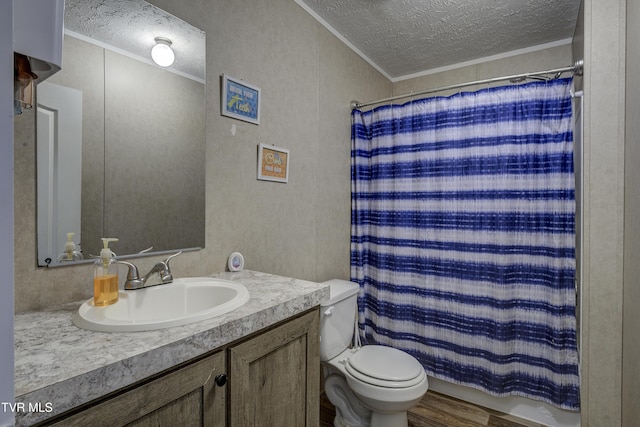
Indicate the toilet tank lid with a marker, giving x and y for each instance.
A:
(339, 290)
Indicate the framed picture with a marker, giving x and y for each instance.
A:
(240, 100)
(273, 163)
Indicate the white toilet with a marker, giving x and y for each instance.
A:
(372, 385)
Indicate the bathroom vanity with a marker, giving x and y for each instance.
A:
(258, 365)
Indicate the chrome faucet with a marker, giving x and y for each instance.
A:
(159, 274)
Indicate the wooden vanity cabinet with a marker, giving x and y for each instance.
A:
(272, 379)
(186, 397)
(275, 376)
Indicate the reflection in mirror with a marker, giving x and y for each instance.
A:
(120, 139)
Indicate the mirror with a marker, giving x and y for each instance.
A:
(121, 140)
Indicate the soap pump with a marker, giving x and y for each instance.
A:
(105, 276)
(70, 252)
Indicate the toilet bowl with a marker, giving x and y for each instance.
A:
(371, 385)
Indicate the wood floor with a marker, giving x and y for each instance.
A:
(437, 410)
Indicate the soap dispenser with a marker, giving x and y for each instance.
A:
(70, 252)
(105, 276)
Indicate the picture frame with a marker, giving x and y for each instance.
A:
(240, 100)
(273, 163)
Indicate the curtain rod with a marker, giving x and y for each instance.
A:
(576, 69)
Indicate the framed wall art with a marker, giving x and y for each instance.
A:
(273, 163)
(240, 100)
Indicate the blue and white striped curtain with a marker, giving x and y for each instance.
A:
(463, 237)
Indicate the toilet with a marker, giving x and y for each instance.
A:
(372, 385)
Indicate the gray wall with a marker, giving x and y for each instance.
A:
(539, 60)
(601, 34)
(631, 314)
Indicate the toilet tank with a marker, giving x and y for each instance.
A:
(337, 318)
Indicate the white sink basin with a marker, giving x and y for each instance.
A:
(184, 301)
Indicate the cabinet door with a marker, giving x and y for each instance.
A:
(274, 377)
(186, 397)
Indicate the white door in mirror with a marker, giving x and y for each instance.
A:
(236, 262)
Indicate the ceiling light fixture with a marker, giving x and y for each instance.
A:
(161, 53)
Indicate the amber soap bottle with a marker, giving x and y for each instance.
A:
(105, 276)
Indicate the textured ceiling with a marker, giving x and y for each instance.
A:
(132, 25)
(401, 38)
(406, 37)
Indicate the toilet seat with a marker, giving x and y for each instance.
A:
(385, 367)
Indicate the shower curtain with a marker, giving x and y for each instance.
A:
(463, 238)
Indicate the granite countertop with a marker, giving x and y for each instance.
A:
(59, 366)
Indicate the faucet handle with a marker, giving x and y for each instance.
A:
(133, 277)
(168, 276)
(170, 257)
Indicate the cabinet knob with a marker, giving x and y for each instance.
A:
(221, 380)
